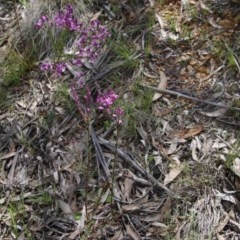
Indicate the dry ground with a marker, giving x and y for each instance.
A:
(173, 166)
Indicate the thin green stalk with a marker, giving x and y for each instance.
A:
(114, 167)
(87, 171)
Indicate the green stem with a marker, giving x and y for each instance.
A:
(114, 167)
(87, 172)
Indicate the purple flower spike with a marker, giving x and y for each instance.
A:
(69, 10)
(41, 21)
(60, 68)
(65, 19)
(106, 100)
(46, 67)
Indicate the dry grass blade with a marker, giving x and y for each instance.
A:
(100, 156)
(135, 164)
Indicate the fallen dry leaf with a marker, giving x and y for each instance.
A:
(193, 147)
(134, 235)
(236, 166)
(220, 237)
(175, 169)
(221, 225)
(162, 85)
(193, 131)
(217, 113)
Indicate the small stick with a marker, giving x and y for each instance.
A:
(189, 97)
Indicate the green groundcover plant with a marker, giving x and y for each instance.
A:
(89, 43)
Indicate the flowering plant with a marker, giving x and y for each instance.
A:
(90, 39)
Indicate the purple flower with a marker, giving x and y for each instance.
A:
(69, 10)
(59, 20)
(118, 113)
(41, 21)
(106, 100)
(46, 66)
(65, 19)
(95, 23)
(77, 62)
(60, 68)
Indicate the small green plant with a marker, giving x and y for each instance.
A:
(233, 154)
(42, 199)
(19, 218)
(225, 52)
(15, 67)
(125, 51)
(143, 98)
(4, 102)
(63, 97)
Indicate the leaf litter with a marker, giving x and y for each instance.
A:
(177, 178)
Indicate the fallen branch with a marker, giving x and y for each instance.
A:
(189, 97)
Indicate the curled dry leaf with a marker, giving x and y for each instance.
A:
(175, 169)
(193, 147)
(65, 207)
(131, 232)
(220, 237)
(236, 166)
(221, 225)
(217, 113)
(162, 85)
(187, 132)
(173, 146)
(193, 131)
(80, 225)
(160, 20)
(225, 197)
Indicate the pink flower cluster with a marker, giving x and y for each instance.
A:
(89, 44)
(106, 101)
(59, 67)
(66, 19)
(41, 21)
(90, 41)
(83, 101)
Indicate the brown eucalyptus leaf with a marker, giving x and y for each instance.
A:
(193, 131)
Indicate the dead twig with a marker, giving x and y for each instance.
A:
(189, 97)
